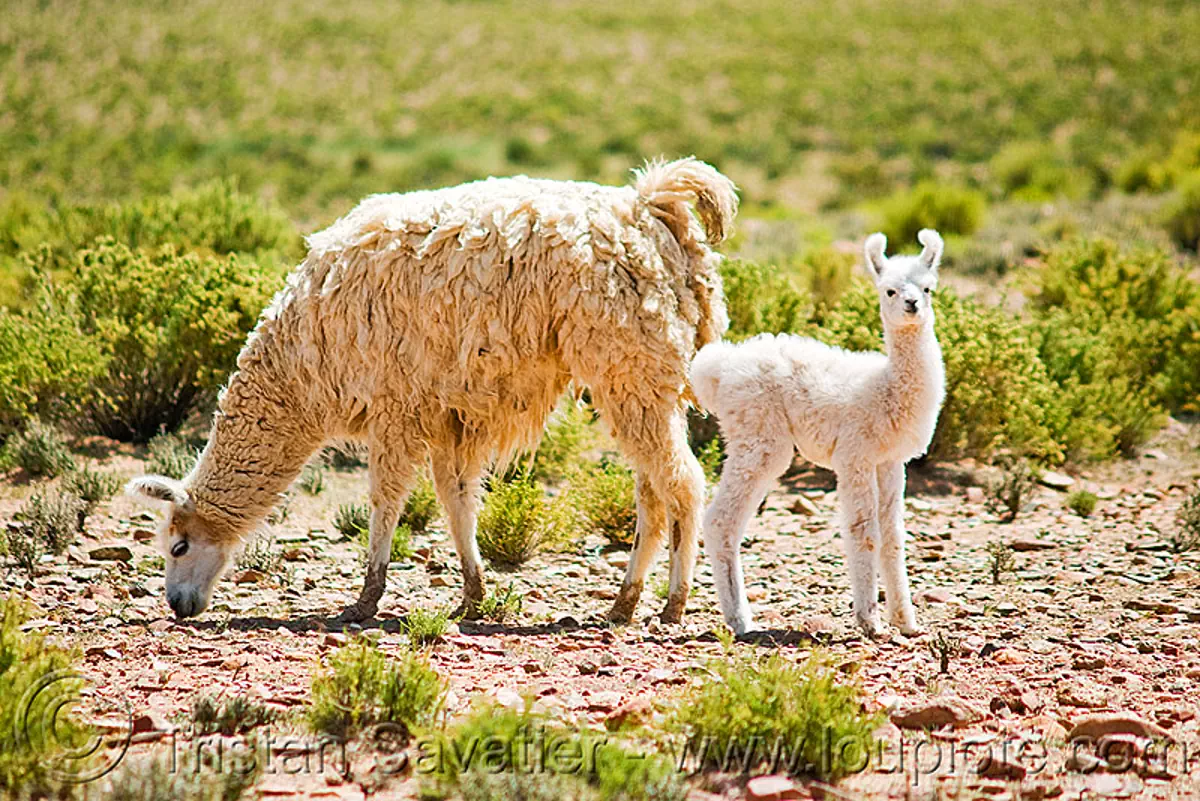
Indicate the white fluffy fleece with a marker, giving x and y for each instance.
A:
(863, 415)
(440, 327)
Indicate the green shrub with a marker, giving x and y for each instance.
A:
(1034, 172)
(53, 518)
(1000, 560)
(353, 520)
(168, 326)
(421, 508)
(499, 606)
(235, 715)
(826, 273)
(400, 548)
(362, 687)
(712, 459)
(45, 366)
(27, 742)
(1082, 502)
(425, 626)
(312, 478)
(260, 554)
(170, 455)
(1010, 490)
(93, 487)
(568, 434)
(1181, 217)
(1186, 534)
(39, 450)
(761, 299)
(948, 209)
(604, 497)
(774, 702)
(997, 391)
(202, 774)
(517, 521)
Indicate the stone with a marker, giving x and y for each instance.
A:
(151, 721)
(975, 495)
(439, 581)
(803, 506)
(604, 701)
(1058, 481)
(937, 712)
(635, 712)
(1087, 695)
(1106, 723)
(111, 553)
(1026, 544)
(773, 788)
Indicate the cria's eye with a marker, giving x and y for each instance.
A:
(179, 549)
(891, 293)
(928, 291)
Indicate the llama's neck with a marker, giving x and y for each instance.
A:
(916, 373)
(260, 440)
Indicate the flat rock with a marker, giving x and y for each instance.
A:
(1108, 723)
(1026, 544)
(1058, 481)
(773, 788)
(111, 553)
(934, 713)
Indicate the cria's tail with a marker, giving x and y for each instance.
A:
(706, 374)
(668, 186)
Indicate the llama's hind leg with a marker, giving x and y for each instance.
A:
(858, 492)
(651, 525)
(746, 477)
(891, 553)
(458, 482)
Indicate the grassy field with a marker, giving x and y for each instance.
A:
(806, 104)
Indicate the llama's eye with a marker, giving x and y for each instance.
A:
(891, 293)
(179, 549)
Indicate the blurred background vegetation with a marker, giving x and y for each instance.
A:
(166, 157)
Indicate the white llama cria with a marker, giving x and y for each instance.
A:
(864, 415)
(440, 328)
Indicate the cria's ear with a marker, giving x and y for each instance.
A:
(159, 488)
(931, 256)
(873, 251)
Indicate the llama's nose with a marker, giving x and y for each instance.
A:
(910, 306)
(182, 605)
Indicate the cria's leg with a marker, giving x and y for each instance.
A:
(458, 481)
(391, 477)
(891, 554)
(651, 525)
(748, 474)
(859, 495)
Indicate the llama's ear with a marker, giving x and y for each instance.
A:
(159, 488)
(873, 251)
(931, 256)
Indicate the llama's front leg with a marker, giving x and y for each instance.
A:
(745, 479)
(891, 553)
(385, 514)
(459, 491)
(651, 524)
(858, 492)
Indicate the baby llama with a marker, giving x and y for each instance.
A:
(440, 327)
(864, 415)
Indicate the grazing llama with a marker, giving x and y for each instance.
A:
(865, 415)
(440, 327)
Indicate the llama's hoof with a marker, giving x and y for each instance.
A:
(468, 609)
(871, 629)
(356, 613)
(622, 608)
(911, 629)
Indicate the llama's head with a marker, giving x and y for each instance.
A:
(906, 283)
(195, 554)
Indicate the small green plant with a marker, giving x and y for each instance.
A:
(568, 434)
(361, 687)
(353, 520)
(712, 459)
(948, 209)
(425, 626)
(604, 497)
(401, 547)
(1000, 560)
(346, 456)
(421, 508)
(1082, 502)
(517, 521)
(500, 606)
(312, 478)
(761, 299)
(944, 648)
(39, 450)
(1186, 535)
(92, 486)
(170, 455)
(199, 775)
(1012, 488)
(52, 518)
(26, 551)
(260, 555)
(661, 588)
(234, 715)
(774, 701)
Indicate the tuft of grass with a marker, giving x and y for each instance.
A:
(52, 518)
(361, 687)
(353, 520)
(778, 704)
(517, 521)
(93, 487)
(199, 776)
(1186, 536)
(39, 450)
(1000, 560)
(944, 648)
(170, 455)
(1010, 492)
(29, 736)
(421, 508)
(234, 715)
(500, 606)
(346, 456)
(401, 548)
(425, 626)
(1082, 502)
(605, 499)
(312, 478)
(260, 554)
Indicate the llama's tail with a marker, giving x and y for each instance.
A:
(668, 187)
(706, 374)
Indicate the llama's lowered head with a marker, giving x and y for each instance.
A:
(195, 551)
(906, 283)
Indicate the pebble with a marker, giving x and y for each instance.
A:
(1058, 481)
(111, 553)
(773, 788)
(937, 712)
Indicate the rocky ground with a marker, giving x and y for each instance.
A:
(1093, 632)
